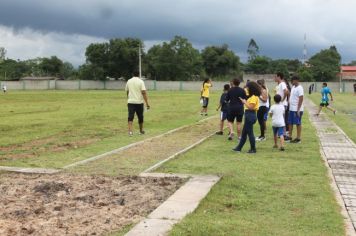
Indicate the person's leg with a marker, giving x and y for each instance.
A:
(243, 137)
(286, 117)
(239, 117)
(281, 139)
(131, 114)
(238, 127)
(275, 137)
(331, 109)
(230, 127)
(299, 131)
(260, 118)
(139, 112)
(250, 133)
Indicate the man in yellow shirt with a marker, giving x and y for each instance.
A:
(137, 95)
(204, 95)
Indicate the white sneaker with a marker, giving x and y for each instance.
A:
(130, 133)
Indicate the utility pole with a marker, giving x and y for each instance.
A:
(305, 49)
(139, 60)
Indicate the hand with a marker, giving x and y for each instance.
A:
(217, 109)
(332, 99)
(148, 107)
(298, 113)
(243, 100)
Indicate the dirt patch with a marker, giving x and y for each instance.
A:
(63, 204)
(37, 147)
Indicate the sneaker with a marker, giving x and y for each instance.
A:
(261, 138)
(230, 137)
(251, 151)
(287, 139)
(281, 149)
(236, 150)
(219, 133)
(258, 138)
(206, 114)
(130, 133)
(334, 112)
(142, 132)
(296, 140)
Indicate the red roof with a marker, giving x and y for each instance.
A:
(348, 68)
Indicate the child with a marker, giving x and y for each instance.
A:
(223, 107)
(325, 91)
(204, 95)
(4, 88)
(277, 112)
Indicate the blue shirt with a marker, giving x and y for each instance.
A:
(223, 102)
(324, 94)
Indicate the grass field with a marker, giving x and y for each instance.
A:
(345, 118)
(56, 128)
(270, 193)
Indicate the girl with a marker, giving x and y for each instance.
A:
(263, 109)
(204, 95)
(251, 107)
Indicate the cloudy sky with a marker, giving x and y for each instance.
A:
(34, 28)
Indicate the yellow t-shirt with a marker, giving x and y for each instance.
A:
(205, 89)
(253, 100)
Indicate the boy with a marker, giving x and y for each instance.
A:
(325, 91)
(277, 111)
(4, 88)
(223, 107)
(296, 109)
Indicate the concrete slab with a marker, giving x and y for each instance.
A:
(29, 170)
(152, 227)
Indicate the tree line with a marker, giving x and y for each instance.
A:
(175, 60)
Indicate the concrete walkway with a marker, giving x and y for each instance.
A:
(339, 152)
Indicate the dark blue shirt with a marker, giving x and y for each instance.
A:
(233, 97)
(223, 103)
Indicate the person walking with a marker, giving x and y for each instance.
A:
(296, 109)
(277, 114)
(251, 107)
(204, 95)
(137, 96)
(236, 108)
(263, 109)
(325, 92)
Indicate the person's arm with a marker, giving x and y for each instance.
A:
(331, 96)
(145, 97)
(285, 94)
(218, 107)
(300, 102)
(264, 95)
(248, 104)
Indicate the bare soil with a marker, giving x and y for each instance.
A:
(66, 204)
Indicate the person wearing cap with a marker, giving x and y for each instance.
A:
(296, 109)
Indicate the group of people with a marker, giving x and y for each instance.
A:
(253, 102)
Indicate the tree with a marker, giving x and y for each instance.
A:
(325, 64)
(12, 69)
(51, 66)
(220, 61)
(259, 65)
(305, 74)
(176, 60)
(252, 50)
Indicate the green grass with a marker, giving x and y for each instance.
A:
(345, 118)
(270, 193)
(56, 128)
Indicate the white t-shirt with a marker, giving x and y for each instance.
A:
(135, 86)
(297, 91)
(277, 111)
(262, 103)
(280, 90)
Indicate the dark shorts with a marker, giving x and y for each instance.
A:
(223, 115)
(294, 119)
(235, 114)
(205, 102)
(279, 131)
(135, 108)
(265, 117)
(324, 103)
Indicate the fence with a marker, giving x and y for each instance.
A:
(150, 85)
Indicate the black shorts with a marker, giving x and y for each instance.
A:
(233, 114)
(324, 104)
(135, 108)
(205, 102)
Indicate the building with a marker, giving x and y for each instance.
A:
(347, 73)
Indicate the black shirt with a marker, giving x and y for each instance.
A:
(223, 102)
(233, 97)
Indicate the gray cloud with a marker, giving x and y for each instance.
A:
(278, 26)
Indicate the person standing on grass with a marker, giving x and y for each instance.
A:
(236, 108)
(354, 89)
(4, 88)
(282, 90)
(296, 109)
(325, 92)
(251, 107)
(204, 95)
(223, 106)
(263, 109)
(277, 112)
(137, 96)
